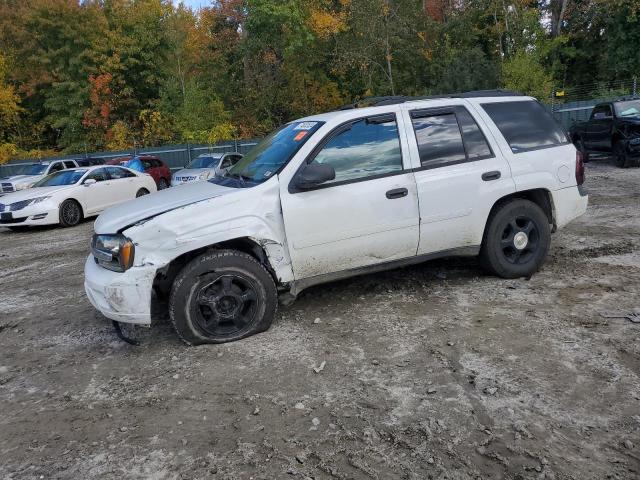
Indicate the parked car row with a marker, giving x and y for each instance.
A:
(67, 196)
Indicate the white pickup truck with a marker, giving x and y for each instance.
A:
(340, 194)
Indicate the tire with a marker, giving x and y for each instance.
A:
(222, 296)
(162, 184)
(620, 155)
(580, 146)
(499, 254)
(142, 192)
(70, 213)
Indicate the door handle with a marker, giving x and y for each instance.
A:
(488, 176)
(397, 193)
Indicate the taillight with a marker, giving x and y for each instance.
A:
(579, 168)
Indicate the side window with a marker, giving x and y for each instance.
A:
(117, 173)
(601, 111)
(227, 162)
(475, 143)
(99, 175)
(146, 164)
(69, 165)
(56, 167)
(525, 125)
(439, 139)
(364, 148)
(235, 159)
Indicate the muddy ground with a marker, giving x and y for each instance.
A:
(433, 371)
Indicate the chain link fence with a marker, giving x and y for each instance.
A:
(574, 104)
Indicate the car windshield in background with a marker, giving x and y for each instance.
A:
(65, 177)
(33, 169)
(204, 162)
(629, 108)
(269, 156)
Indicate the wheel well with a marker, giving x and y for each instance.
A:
(165, 276)
(73, 200)
(539, 196)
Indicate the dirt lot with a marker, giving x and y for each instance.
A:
(434, 371)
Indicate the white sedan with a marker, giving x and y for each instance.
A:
(68, 196)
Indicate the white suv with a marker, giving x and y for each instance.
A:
(336, 195)
(32, 173)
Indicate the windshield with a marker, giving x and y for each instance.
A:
(630, 108)
(33, 169)
(269, 156)
(64, 177)
(204, 162)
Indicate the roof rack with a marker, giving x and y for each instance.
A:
(397, 99)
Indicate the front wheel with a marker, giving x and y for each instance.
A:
(162, 184)
(620, 155)
(516, 241)
(70, 213)
(142, 192)
(222, 296)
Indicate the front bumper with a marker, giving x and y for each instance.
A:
(124, 297)
(30, 216)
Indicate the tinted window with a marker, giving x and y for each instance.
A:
(56, 167)
(146, 164)
(439, 140)
(99, 175)
(69, 165)
(367, 148)
(525, 125)
(475, 142)
(601, 111)
(116, 173)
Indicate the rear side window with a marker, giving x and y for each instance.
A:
(525, 125)
(439, 139)
(474, 141)
(116, 173)
(69, 165)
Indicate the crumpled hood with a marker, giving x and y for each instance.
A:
(128, 213)
(29, 193)
(192, 172)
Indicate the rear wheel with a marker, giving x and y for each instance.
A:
(142, 192)
(70, 213)
(517, 240)
(162, 184)
(222, 296)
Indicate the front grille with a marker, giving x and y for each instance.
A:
(7, 187)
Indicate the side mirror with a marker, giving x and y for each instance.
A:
(315, 174)
(89, 181)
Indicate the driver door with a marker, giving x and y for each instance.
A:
(367, 215)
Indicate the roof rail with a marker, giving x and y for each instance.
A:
(397, 99)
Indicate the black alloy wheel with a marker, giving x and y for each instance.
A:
(519, 240)
(225, 304)
(70, 213)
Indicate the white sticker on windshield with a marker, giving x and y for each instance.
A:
(305, 125)
(267, 173)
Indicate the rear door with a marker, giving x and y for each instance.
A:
(368, 214)
(459, 175)
(599, 128)
(122, 185)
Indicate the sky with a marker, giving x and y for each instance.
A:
(193, 3)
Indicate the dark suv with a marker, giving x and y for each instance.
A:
(614, 127)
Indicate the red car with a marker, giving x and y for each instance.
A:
(152, 165)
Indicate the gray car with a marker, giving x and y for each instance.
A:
(204, 167)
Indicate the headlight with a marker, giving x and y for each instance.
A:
(204, 175)
(113, 252)
(25, 203)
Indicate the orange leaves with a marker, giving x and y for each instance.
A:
(97, 115)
